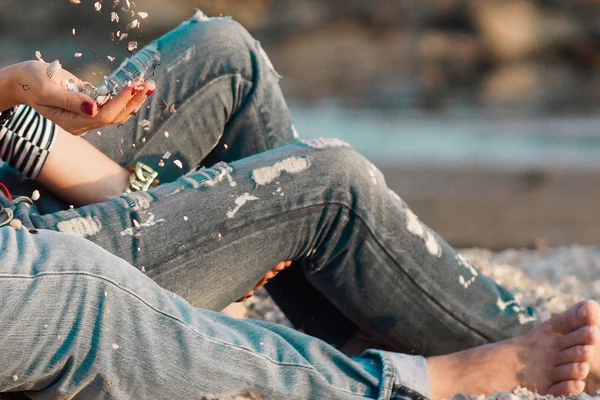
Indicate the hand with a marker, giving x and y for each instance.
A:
(269, 275)
(33, 87)
(75, 112)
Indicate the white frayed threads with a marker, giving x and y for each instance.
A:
(140, 201)
(522, 314)
(82, 227)
(199, 16)
(292, 165)
(466, 282)
(223, 172)
(239, 202)
(325, 143)
(295, 133)
(137, 225)
(416, 227)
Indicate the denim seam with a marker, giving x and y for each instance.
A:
(167, 315)
(146, 303)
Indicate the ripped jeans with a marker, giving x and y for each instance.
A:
(99, 317)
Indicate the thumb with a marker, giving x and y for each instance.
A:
(77, 103)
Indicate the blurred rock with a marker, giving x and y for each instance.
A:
(517, 29)
(424, 53)
(531, 86)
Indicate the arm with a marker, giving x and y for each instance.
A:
(73, 169)
(79, 173)
(7, 90)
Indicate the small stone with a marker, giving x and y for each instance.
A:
(172, 110)
(35, 196)
(15, 378)
(143, 269)
(219, 236)
(16, 224)
(33, 231)
(78, 55)
(75, 1)
(108, 383)
(161, 163)
(178, 163)
(185, 218)
(166, 134)
(115, 346)
(226, 146)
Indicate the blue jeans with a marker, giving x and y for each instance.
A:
(363, 263)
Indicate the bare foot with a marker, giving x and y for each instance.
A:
(553, 358)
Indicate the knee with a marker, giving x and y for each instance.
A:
(223, 34)
(227, 43)
(345, 167)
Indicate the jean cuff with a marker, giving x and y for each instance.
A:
(412, 376)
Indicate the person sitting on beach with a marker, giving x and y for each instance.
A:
(115, 296)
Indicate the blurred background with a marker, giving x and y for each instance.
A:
(483, 114)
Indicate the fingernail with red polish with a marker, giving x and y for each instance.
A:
(150, 92)
(87, 108)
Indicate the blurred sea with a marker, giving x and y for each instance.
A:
(462, 138)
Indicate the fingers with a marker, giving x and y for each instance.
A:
(140, 94)
(128, 101)
(77, 103)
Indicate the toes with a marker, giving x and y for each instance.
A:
(587, 335)
(566, 388)
(589, 311)
(584, 313)
(573, 354)
(570, 372)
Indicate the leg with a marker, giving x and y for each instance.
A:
(226, 93)
(83, 323)
(212, 234)
(89, 325)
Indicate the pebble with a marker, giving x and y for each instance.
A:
(16, 224)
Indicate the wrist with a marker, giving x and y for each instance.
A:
(9, 82)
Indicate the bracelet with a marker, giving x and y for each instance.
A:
(142, 178)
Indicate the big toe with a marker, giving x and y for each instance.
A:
(581, 314)
(566, 388)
